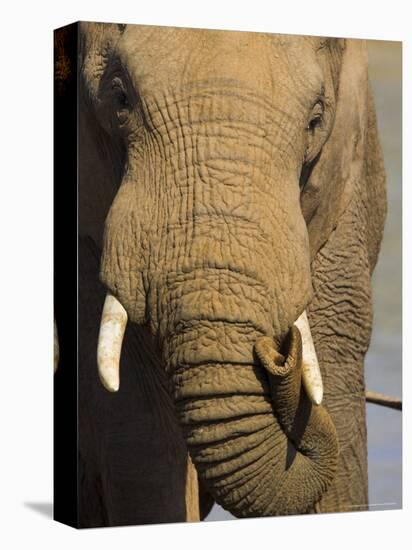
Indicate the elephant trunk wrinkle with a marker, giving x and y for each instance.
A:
(241, 423)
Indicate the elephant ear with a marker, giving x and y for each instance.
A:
(344, 206)
(65, 55)
(350, 163)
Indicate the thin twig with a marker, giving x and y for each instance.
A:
(384, 400)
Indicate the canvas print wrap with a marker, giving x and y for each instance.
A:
(220, 202)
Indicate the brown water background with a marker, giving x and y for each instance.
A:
(383, 363)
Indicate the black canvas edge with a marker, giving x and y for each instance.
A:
(65, 402)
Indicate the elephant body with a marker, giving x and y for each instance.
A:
(228, 182)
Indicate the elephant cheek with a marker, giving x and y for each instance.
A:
(124, 257)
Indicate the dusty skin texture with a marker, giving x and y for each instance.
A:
(246, 185)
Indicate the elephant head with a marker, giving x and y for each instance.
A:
(252, 193)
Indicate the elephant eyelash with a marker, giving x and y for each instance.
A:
(119, 92)
(123, 106)
(316, 117)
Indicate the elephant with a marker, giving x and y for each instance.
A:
(231, 208)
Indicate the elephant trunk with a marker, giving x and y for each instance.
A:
(258, 443)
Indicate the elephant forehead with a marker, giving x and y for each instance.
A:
(170, 58)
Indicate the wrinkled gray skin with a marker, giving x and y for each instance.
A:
(252, 188)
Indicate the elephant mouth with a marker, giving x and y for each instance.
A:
(113, 326)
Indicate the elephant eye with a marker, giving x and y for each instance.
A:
(317, 126)
(314, 123)
(122, 104)
(316, 117)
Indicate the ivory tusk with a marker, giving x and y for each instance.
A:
(109, 347)
(56, 347)
(311, 376)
